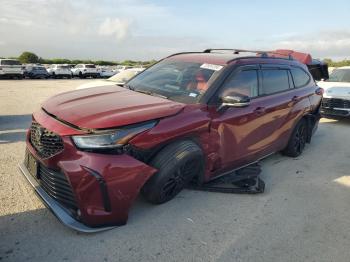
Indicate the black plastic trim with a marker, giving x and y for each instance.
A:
(103, 188)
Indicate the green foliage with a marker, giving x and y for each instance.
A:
(101, 62)
(336, 64)
(31, 58)
(28, 58)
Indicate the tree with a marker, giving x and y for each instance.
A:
(28, 58)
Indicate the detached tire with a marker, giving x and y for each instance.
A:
(177, 165)
(297, 140)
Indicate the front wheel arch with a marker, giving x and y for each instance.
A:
(173, 159)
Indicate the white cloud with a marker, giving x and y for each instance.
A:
(138, 29)
(116, 27)
(334, 44)
(15, 21)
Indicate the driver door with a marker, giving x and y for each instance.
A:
(239, 131)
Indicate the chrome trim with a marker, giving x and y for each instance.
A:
(344, 109)
(60, 212)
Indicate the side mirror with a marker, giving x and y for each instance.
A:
(235, 100)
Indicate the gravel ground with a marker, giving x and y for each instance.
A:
(302, 216)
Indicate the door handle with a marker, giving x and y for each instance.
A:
(295, 98)
(259, 110)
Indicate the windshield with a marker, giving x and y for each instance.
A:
(123, 76)
(90, 66)
(63, 67)
(10, 62)
(340, 75)
(180, 81)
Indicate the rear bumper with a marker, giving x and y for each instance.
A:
(61, 74)
(58, 210)
(5, 75)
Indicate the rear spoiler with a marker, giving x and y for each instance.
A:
(319, 70)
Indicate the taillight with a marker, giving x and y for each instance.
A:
(319, 91)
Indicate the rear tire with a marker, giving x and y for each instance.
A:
(177, 165)
(297, 140)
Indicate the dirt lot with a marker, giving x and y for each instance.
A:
(303, 215)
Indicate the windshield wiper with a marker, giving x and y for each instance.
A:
(129, 87)
(149, 93)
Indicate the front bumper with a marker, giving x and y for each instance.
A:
(335, 112)
(58, 210)
(335, 107)
(92, 74)
(104, 186)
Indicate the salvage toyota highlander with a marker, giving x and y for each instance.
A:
(187, 119)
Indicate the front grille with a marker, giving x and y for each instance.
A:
(57, 186)
(335, 103)
(46, 143)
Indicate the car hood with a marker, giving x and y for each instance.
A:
(108, 107)
(335, 89)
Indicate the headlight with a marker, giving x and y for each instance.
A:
(111, 139)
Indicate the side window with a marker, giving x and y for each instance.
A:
(274, 81)
(301, 78)
(243, 83)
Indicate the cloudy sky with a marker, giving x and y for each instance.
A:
(141, 29)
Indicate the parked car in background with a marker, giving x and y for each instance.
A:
(118, 79)
(85, 70)
(59, 71)
(36, 71)
(11, 68)
(121, 68)
(336, 98)
(190, 118)
(106, 71)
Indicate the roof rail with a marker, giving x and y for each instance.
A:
(257, 52)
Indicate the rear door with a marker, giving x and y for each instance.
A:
(276, 100)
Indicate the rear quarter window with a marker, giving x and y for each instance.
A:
(274, 81)
(300, 77)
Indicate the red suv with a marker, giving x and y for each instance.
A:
(187, 119)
